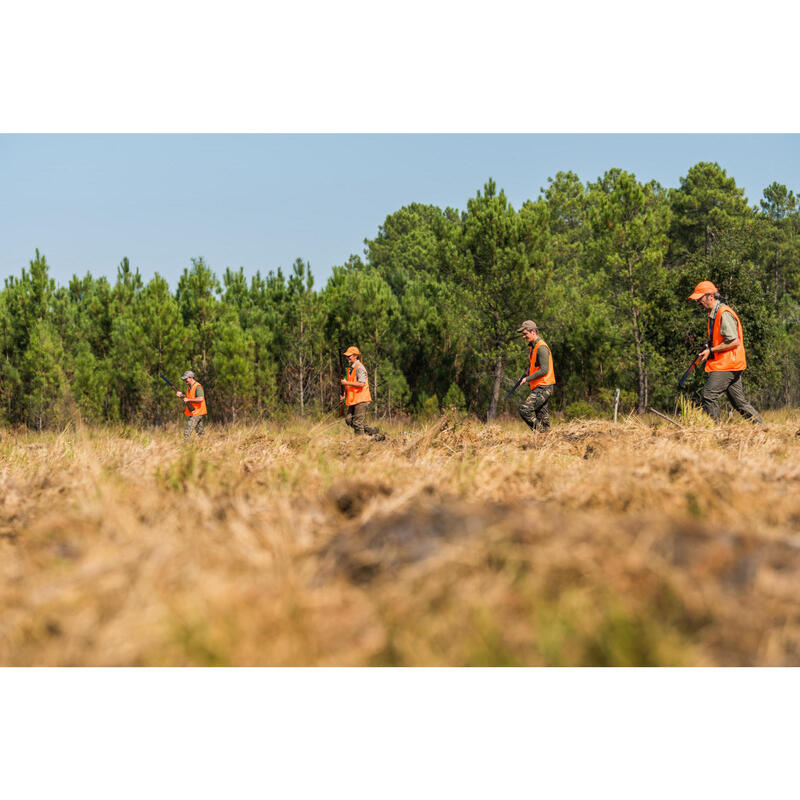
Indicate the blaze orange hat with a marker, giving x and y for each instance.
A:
(704, 287)
(352, 351)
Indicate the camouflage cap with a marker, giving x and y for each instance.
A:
(187, 374)
(528, 325)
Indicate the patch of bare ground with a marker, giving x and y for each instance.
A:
(451, 543)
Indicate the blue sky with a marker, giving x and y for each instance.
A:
(260, 201)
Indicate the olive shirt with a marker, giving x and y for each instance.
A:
(542, 362)
(728, 328)
(198, 392)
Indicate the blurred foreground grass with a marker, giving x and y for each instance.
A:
(452, 543)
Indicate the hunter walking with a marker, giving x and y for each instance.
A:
(356, 395)
(724, 355)
(540, 377)
(194, 405)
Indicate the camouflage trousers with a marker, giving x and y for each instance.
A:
(193, 424)
(356, 416)
(729, 384)
(534, 410)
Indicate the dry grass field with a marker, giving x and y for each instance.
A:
(452, 543)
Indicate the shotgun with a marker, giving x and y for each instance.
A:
(694, 363)
(169, 383)
(515, 387)
(520, 381)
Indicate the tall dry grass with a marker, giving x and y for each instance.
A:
(452, 543)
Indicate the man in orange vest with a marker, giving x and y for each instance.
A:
(194, 405)
(540, 377)
(724, 354)
(356, 395)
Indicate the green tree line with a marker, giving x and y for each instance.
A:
(603, 267)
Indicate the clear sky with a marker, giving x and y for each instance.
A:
(260, 201)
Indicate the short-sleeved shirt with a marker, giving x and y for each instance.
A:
(361, 373)
(728, 328)
(198, 392)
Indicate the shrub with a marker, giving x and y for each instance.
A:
(580, 409)
(428, 405)
(455, 398)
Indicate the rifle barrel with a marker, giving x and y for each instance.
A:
(515, 387)
(688, 371)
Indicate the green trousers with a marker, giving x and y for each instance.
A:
(356, 416)
(729, 384)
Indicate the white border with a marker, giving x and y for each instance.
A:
(399, 733)
(371, 66)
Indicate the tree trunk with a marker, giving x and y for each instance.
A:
(637, 341)
(777, 260)
(499, 374)
(302, 394)
(258, 391)
(640, 365)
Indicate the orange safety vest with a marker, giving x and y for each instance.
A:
(546, 380)
(353, 394)
(734, 360)
(197, 409)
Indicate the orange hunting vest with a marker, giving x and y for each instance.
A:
(733, 360)
(353, 394)
(198, 409)
(545, 380)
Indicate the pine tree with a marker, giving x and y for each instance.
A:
(488, 259)
(629, 223)
(197, 298)
(45, 397)
(705, 202)
(232, 362)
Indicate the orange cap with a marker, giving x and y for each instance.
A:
(352, 351)
(704, 287)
